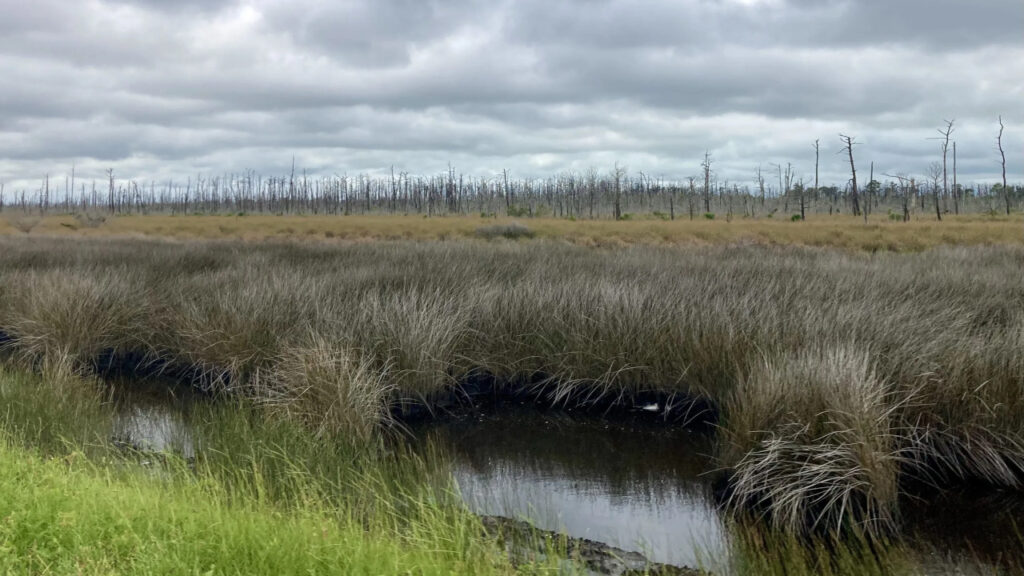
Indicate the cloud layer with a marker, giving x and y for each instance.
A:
(158, 89)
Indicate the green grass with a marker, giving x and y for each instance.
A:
(263, 496)
(61, 516)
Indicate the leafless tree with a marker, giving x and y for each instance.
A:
(706, 165)
(907, 190)
(945, 134)
(935, 171)
(956, 196)
(619, 173)
(760, 185)
(690, 195)
(848, 144)
(1002, 156)
(817, 152)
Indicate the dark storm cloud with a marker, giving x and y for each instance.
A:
(162, 88)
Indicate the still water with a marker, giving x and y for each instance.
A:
(638, 487)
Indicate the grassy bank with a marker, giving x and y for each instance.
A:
(63, 518)
(847, 232)
(262, 496)
(839, 374)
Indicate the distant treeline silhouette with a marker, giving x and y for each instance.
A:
(592, 194)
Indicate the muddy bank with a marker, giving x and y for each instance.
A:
(483, 392)
(524, 542)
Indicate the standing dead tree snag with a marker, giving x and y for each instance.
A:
(945, 148)
(935, 171)
(817, 152)
(848, 145)
(619, 173)
(1002, 156)
(706, 165)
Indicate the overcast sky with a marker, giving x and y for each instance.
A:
(161, 89)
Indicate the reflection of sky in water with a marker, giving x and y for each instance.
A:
(636, 488)
(667, 526)
(153, 422)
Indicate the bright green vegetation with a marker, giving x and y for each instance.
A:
(262, 497)
(71, 518)
(838, 375)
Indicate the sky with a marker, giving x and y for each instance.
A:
(160, 89)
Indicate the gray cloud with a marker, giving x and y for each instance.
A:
(158, 89)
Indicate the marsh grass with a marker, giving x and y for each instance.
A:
(837, 373)
(511, 231)
(845, 232)
(813, 442)
(755, 551)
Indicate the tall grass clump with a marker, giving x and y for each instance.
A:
(331, 388)
(61, 316)
(812, 443)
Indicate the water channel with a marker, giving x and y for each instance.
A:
(634, 485)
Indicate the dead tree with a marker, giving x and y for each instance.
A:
(817, 152)
(956, 189)
(871, 192)
(706, 165)
(848, 145)
(619, 173)
(803, 201)
(935, 171)
(508, 194)
(906, 191)
(760, 185)
(1002, 156)
(945, 147)
(690, 195)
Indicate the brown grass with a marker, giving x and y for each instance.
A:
(879, 234)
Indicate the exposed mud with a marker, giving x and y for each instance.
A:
(525, 542)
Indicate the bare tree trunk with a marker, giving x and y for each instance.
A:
(508, 196)
(945, 146)
(1002, 156)
(817, 152)
(935, 172)
(619, 172)
(848, 145)
(956, 189)
(707, 181)
(690, 196)
(871, 190)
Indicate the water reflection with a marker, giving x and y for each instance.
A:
(153, 417)
(636, 487)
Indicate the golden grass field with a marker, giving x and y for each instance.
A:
(847, 232)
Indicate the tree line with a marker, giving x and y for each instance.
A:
(593, 194)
